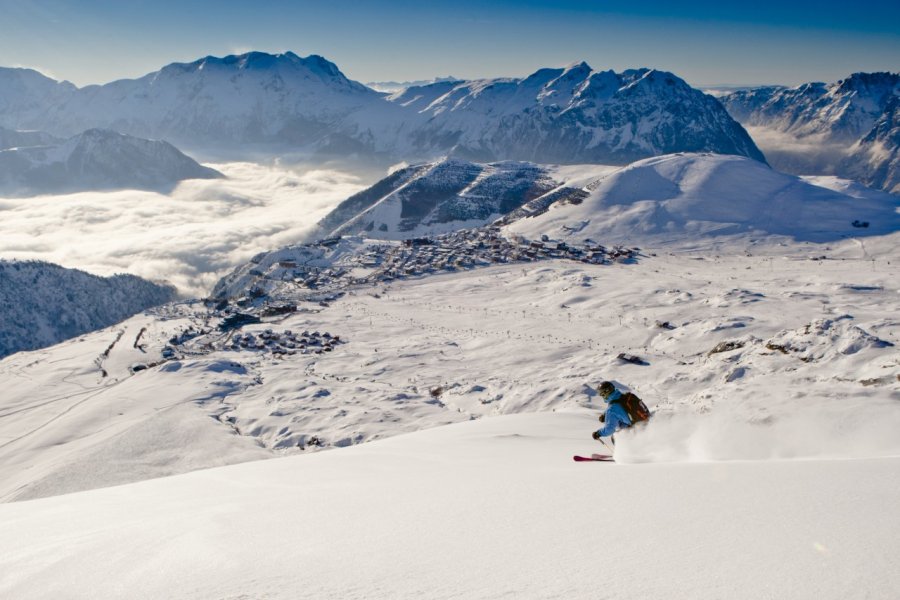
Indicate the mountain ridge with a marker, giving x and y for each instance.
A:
(282, 101)
(827, 128)
(96, 159)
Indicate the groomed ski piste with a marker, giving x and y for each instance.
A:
(768, 471)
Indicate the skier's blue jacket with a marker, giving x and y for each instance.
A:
(616, 417)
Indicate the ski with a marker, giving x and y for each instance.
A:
(594, 457)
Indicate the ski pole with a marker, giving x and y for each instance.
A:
(612, 450)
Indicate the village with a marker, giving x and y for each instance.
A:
(309, 276)
(476, 248)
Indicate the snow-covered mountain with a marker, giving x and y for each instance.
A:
(678, 196)
(841, 128)
(96, 159)
(436, 198)
(695, 196)
(253, 97)
(283, 101)
(875, 159)
(10, 138)
(843, 111)
(27, 95)
(43, 304)
(572, 115)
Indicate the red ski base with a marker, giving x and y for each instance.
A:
(594, 457)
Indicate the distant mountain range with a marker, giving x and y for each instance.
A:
(847, 128)
(285, 102)
(43, 304)
(96, 159)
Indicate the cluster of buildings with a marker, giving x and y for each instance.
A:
(470, 248)
(319, 272)
(283, 342)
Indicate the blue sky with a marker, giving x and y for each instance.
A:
(95, 41)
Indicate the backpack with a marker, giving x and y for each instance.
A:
(634, 406)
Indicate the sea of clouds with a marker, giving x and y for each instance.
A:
(189, 237)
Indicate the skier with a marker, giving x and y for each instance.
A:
(622, 411)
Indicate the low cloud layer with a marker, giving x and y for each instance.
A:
(812, 155)
(188, 238)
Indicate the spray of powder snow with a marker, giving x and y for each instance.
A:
(189, 237)
(827, 431)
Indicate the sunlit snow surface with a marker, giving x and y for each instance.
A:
(497, 340)
(769, 469)
(493, 508)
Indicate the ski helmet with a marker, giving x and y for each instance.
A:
(606, 388)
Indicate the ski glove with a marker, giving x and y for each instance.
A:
(596, 435)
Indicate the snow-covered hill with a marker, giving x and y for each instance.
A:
(43, 304)
(96, 159)
(840, 128)
(436, 198)
(701, 197)
(285, 102)
(660, 200)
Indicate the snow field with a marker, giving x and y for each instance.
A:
(492, 508)
(494, 341)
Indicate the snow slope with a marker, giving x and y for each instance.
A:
(812, 371)
(488, 509)
(96, 159)
(698, 197)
